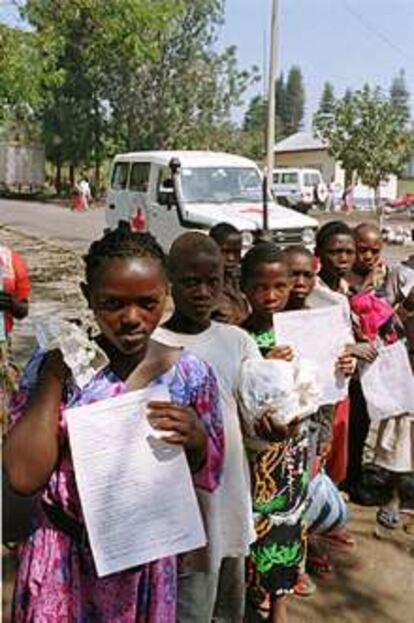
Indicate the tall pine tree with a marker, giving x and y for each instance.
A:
(400, 97)
(294, 101)
(327, 101)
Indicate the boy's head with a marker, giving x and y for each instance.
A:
(301, 264)
(335, 247)
(265, 279)
(195, 267)
(230, 242)
(368, 241)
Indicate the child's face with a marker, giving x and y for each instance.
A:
(196, 285)
(231, 250)
(302, 276)
(268, 288)
(128, 298)
(368, 250)
(339, 254)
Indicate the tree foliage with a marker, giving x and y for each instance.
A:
(136, 74)
(290, 108)
(327, 101)
(20, 93)
(366, 134)
(294, 102)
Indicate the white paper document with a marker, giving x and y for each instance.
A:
(388, 383)
(136, 491)
(317, 335)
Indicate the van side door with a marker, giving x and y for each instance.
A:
(137, 199)
(117, 196)
(163, 222)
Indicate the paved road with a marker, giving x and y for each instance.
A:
(72, 230)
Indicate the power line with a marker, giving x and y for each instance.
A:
(380, 35)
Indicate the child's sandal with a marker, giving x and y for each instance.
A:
(319, 565)
(304, 586)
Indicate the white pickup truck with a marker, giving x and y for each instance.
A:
(168, 192)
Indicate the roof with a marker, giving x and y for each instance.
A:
(187, 158)
(301, 141)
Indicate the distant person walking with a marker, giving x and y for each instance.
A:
(82, 195)
(348, 198)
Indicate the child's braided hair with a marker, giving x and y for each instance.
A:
(121, 243)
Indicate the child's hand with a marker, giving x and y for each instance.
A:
(346, 364)
(325, 448)
(267, 428)
(182, 423)
(364, 351)
(281, 352)
(55, 367)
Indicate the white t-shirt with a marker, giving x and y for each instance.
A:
(228, 511)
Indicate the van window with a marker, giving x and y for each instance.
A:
(120, 175)
(163, 174)
(276, 178)
(139, 178)
(221, 184)
(311, 179)
(289, 178)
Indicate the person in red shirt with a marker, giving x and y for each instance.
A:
(14, 295)
(15, 290)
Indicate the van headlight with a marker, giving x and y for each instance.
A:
(308, 237)
(247, 238)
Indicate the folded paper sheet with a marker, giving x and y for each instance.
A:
(317, 335)
(136, 491)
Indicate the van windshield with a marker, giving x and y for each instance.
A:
(221, 185)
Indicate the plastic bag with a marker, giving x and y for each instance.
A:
(286, 389)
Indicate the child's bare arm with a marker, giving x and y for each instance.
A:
(31, 448)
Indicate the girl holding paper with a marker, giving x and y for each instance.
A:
(126, 288)
(278, 471)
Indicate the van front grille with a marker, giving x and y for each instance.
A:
(287, 237)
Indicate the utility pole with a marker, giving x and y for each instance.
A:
(271, 110)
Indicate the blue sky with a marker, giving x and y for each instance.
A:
(348, 42)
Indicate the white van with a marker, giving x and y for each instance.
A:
(300, 189)
(169, 192)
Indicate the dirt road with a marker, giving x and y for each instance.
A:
(374, 583)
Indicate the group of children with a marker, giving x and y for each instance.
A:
(253, 490)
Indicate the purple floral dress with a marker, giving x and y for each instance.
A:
(57, 581)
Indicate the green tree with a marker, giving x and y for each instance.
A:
(135, 74)
(255, 116)
(400, 97)
(294, 104)
(20, 93)
(327, 101)
(188, 90)
(82, 44)
(365, 133)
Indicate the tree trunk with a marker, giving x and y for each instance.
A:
(72, 175)
(378, 205)
(97, 175)
(58, 176)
